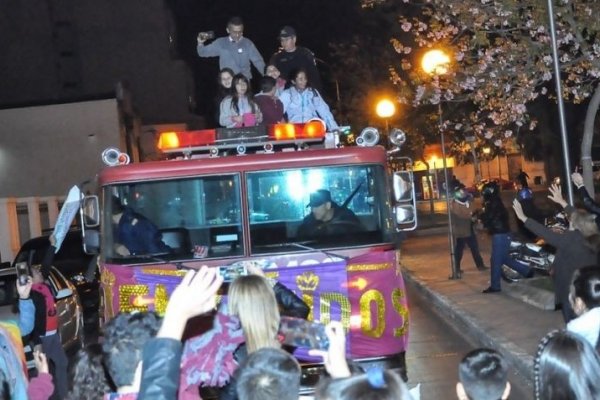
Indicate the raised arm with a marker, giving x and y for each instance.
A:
(589, 203)
(540, 230)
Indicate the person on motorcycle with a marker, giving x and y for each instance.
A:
(575, 248)
(495, 219)
(462, 225)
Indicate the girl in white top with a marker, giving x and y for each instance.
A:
(585, 300)
(239, 109)
(302, 102)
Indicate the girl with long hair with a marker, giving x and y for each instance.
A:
(239, 109)
(566, 367)
(252, 299)
(301, 102)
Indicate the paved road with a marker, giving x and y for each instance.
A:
(435, 350)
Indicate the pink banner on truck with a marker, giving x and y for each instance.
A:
(365, 293)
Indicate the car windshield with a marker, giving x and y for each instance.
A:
(201, 217)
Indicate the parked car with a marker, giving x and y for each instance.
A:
(79, 268)
(504, 184)
(68, 307)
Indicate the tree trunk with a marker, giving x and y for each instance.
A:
(586, 142)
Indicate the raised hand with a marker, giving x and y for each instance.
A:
(334, 358)
(556, 195)
(195, 295)
(577, 179)
(519, 210)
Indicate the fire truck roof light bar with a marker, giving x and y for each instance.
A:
(201, 140)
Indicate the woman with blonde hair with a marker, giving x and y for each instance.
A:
(249, 321)
(252, 300)
(575, 248)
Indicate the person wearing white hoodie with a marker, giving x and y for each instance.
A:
(585, 300)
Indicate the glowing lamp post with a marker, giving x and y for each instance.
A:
(487, 151)
(436, 63)
(385, 109)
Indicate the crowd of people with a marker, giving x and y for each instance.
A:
(144, 356)
(567, 364)
(290, 83)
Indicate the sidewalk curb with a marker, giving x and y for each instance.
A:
(517, 358)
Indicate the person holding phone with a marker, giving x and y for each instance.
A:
(45, 331)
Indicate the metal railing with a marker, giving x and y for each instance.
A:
(24, 218)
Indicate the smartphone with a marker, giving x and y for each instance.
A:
(22, 272)
(299, 332)
(231, 272)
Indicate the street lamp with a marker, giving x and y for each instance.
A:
(486, 151)
(436, 63)
(385, 108)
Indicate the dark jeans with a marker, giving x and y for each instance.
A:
(500, 248)
(459, 247)
(51, 345)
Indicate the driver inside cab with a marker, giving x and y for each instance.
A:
(327, 218)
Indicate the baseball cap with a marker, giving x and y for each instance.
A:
(319, 197)
(287, 31)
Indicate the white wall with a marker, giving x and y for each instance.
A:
(44, 150)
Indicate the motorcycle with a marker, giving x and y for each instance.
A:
(532, 254)
(536, 255)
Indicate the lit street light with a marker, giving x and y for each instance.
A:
(385, 109)
(487, 151)
(436, 63)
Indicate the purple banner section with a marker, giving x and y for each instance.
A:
(366, 294)
(379, 308)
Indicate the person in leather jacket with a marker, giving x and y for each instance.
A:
(327, 218)
(495, 219)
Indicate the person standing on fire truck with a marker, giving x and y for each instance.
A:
(234, 51)
(327, 217)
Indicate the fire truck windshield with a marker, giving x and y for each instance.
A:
(205, 216)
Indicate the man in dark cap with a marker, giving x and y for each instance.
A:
(327, 217)
(291, 58)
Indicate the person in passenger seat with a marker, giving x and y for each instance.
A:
(135, 234)
(327, 218)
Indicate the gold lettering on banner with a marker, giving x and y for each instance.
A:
(164, 272)
(108, 282)
(126, 292)
(367, 267)
(308, 282)
(365, 313)
(161, 298)
(402, 310)
(325, 308)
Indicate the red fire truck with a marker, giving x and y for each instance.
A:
(220, 209)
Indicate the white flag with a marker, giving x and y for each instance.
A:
(66, 215)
